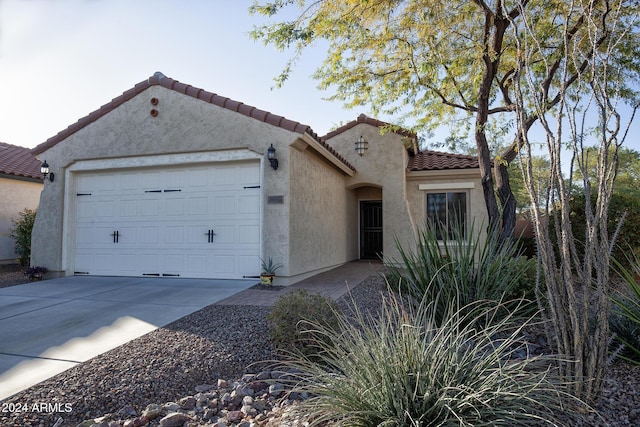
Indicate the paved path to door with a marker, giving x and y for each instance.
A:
(50, 326)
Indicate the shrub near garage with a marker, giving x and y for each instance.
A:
(289, 322)
(21, 233)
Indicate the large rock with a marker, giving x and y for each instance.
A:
(174, 419)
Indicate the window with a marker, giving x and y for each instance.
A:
(448, 212)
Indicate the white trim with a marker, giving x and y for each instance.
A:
(164, 160)
(447, 186)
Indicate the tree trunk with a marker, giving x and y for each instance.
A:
(507, 200)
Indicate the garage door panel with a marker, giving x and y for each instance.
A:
(163, 230)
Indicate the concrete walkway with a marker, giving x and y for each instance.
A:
(50, 326)
(333, 284)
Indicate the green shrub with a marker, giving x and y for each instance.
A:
(290, 317)
(629, 236)
(404, 368)
(464, 269)
(21, 233)
(625, 316)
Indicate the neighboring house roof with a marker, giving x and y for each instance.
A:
(369, 121)
(18, 161)
(435, 160)
(159, 79)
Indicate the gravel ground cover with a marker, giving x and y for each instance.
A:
(216, 343)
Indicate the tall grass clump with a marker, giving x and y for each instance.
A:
(625, 318)
(465, 268)
(404, 368)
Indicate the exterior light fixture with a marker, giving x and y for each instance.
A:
(271, 155)
(44, 170)
(361, 145)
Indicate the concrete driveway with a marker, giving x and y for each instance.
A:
(47, 327)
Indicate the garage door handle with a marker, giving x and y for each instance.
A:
(210, 235)
(116, 236)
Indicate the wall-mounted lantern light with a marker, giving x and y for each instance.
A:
(361, 145)
(271, 155)
(44, 170)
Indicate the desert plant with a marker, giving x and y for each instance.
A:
(464, 269)
(405, 368)
(289, 316)
(21, 233)
(269, 267)
(625, 318)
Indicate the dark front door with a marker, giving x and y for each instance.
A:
(371, 229)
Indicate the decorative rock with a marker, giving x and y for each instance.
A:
(188, 402)
(171, 407)
(153, 411)
(204, 387)
(175, 419)
(276, 389)
(209, 413)
(127, 411)
(234, 416)
(244, 390)
(223, 384)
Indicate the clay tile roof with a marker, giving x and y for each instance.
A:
(159, 79)
(434, 160)
(370, 121)
(18, 161)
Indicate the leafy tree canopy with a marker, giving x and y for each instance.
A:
(426, 59)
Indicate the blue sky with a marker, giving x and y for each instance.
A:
(62, 59)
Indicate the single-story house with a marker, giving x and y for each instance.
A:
(171, 180)
(20, 187)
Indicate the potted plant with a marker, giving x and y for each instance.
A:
(35, 273)
(268, 271)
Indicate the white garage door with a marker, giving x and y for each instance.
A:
(196, 221)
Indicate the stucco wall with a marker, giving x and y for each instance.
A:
(183, 125)
(382, 166)
(16, 196)
(319, 215)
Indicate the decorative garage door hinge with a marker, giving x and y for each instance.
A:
(251, 186)
(83, 194)
(80, 272)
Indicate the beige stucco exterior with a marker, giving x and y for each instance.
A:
(16, 195)
(310, 205)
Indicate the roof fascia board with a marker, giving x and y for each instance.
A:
(310, 141)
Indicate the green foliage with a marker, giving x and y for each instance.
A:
(21, 233)
(290, 316)
(405, 368)
(269, 267)
(465, 269)
(621, 204)
(625, 318)
(405, 58)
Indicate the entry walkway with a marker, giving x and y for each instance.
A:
(333, 284)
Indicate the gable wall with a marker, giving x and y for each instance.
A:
(183, 125)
